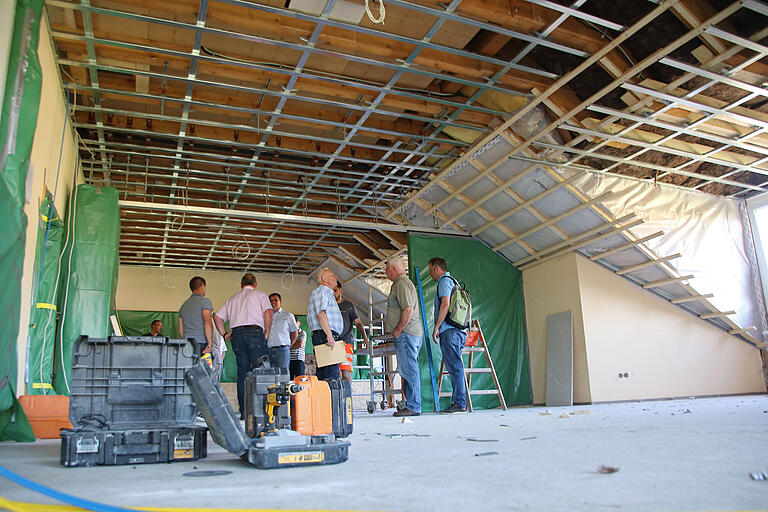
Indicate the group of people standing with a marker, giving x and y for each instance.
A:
(403, 321)
(259, 327)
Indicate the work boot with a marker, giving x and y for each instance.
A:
(454, 409)
(406, 412)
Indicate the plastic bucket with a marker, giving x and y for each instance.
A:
(472, 338)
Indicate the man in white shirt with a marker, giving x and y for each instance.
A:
(282, 334)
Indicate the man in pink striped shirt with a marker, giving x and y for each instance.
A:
(250, 320)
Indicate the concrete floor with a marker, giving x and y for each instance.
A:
(672, 455)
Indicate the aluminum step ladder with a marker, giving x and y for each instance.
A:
(474, 346)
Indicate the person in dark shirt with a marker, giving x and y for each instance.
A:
(349, 314)
(155, 329)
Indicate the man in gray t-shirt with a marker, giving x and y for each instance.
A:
(195, 316)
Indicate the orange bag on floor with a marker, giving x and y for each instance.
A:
(311, 407)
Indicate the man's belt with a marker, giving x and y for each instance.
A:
(251, 326)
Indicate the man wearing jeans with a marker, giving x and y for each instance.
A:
(451, 338)
(404, 322)
(250, 320)
(282, 334)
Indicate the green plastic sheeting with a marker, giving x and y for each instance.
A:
(138, 323)
(496, 289)
(42, 324)
(17, 131)
(89, 273)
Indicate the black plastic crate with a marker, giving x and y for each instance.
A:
(81, 448)
(132, 382)
(256, 383)
(322, 450)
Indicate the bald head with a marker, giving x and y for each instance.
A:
(327, 278)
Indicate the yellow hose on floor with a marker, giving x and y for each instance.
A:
(20, 506)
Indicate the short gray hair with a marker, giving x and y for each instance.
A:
(395, 262)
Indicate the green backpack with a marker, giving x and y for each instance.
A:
(459, 307)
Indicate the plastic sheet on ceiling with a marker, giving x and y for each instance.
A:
(496, 289)
(706, 230)
(88, 273)
(42, 324)
(17, 132)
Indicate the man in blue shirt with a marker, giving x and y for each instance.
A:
(451, 338)
(324, 319)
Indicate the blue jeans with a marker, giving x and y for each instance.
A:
(407, 347)
(326, 372)
(451, 342)
(279, 357)
(249, 345)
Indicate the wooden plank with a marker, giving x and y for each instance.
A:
(692, 298)
(662, 282)
(640, 266)
(718, 314)
(626, 246)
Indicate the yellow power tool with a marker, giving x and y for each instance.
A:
(277, 395)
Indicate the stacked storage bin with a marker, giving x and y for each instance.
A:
(129, 403)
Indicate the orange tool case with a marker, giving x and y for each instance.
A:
(311, 408)
(47, 414)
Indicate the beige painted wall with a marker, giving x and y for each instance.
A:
(666, 351)
(550, 288)
(44, 162)
(157, 289)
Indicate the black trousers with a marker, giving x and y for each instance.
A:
(326, 372)
(297, 367)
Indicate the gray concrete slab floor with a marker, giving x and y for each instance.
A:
(692, 454)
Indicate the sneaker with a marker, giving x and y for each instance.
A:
(454, 409)
(406, 412)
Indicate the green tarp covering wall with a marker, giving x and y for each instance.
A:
(496, 289)
(88, 273)
(17, 131)
(42, 324)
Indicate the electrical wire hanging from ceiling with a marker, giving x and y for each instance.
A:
(382, 12)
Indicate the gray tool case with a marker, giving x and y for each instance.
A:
(256, 383)
(129, 403)
(286, 449)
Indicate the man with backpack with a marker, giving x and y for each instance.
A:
(449, 333)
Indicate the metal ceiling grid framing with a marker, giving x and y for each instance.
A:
(138, 164)
(514, 191)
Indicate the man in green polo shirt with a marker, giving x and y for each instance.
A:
(404, 322)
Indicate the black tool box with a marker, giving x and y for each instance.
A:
(256, 383)
(286, 449)
(341, 407)
(129, 403)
